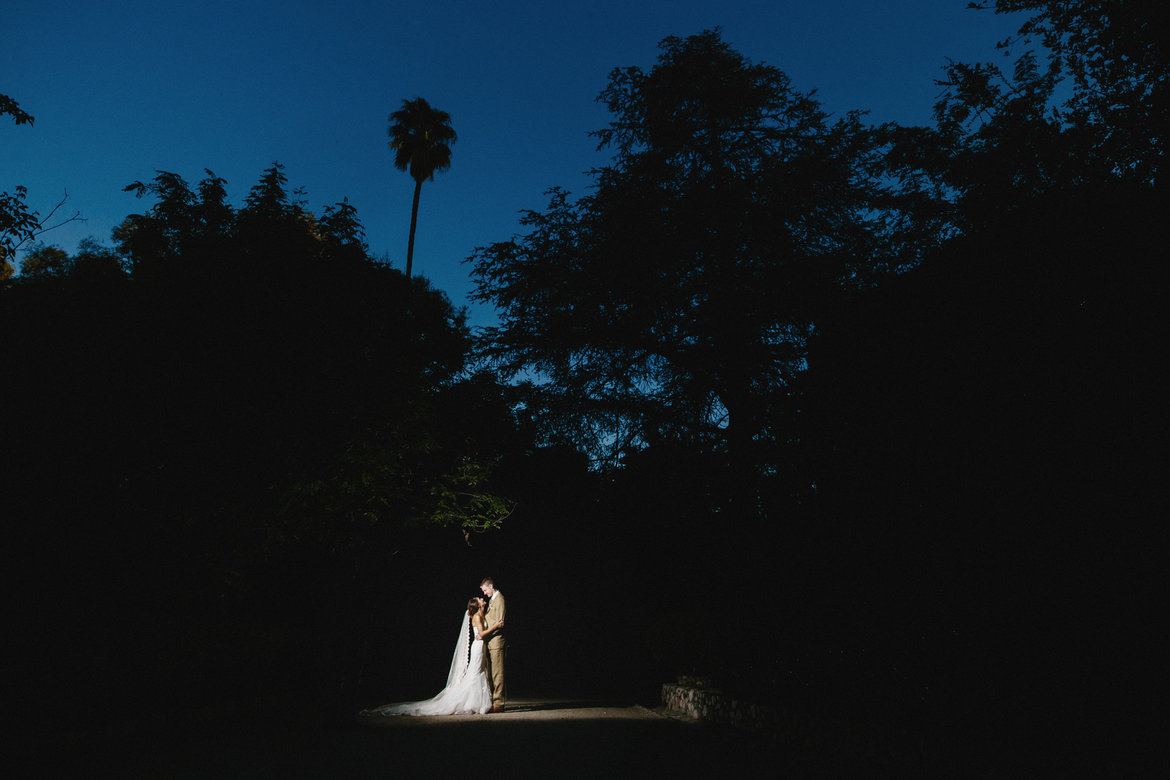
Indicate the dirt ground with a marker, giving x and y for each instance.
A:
(539, 738)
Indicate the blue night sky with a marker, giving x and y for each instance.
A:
(123, 88)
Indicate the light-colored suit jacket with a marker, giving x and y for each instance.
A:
(494, 614)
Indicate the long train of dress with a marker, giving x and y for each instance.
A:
(467, 687)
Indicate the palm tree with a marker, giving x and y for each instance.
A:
(421, 138)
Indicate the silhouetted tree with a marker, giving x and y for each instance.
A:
(421, 138)
(18, 223)
(341, 227)
(270, 195)
(212, 211)
(172, 227)
(1088, 107)
(983, 425)
(1116, 63)
(43, 261)
(673, 304)
(12, 108)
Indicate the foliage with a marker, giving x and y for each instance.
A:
(1089, 107)
(1119, 67)
(12, 108)
(340, 227)
(360, 310)
(421, 137)
(18, 223)
(43, 261)
(181, 221)
(673, 303)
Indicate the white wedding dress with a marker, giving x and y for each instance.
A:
(467, 685)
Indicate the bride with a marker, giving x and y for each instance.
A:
(467, 685)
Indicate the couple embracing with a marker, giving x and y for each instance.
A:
(475, 682)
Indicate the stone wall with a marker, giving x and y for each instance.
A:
(713, 706)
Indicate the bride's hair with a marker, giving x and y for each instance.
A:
(472, 606)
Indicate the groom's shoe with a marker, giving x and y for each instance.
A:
(498, 708)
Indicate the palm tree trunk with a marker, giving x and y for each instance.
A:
(413, 223)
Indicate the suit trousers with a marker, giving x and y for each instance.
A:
(495, 674)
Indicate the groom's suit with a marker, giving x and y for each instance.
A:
(495, 649)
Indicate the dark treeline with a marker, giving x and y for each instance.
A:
(860, 421)
(222, 438)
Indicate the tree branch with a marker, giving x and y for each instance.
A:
(41, 228)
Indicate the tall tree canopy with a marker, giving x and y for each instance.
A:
(421, 137)
(1084, 102)
(673, 303)
(1115, 54)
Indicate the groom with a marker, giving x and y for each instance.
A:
(495, 654)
